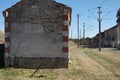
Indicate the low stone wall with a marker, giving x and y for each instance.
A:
(42, 63)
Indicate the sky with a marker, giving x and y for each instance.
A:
(88, 11)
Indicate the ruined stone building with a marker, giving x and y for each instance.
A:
(36, 34)
(118, 32)
(111, 37)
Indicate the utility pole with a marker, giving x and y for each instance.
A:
(83, 35)
(80, 36)
(99, 20)
(78, 30)
(71, 34)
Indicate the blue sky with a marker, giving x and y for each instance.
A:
(81, 7)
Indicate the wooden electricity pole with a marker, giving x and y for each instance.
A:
(99, 20)
(83, 35)
(80, 36)
(78, 30)
(71, 34)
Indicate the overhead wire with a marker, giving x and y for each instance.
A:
(106, 14)
(102, 2)
(92, 13)
(93, 3)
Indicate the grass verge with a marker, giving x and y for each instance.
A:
(106, 62)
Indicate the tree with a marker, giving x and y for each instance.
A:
(118, 15)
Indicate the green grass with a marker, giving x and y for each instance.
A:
(76, 73)
(48, 74)
(116, 52)
(96, 56)
(11, 74)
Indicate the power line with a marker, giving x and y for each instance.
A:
(92, 13)
(108, 12)
(89, 27)
(99, 18)
(102, 3)
(94, 3)
(99, 21)
(92, 17)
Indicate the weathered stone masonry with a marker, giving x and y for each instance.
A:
(7, 38)
(118, 32)
(36, 34)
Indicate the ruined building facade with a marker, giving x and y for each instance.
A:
(118, 32)
(36, 34)
(109, 38)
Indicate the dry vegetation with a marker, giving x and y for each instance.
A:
(85, 64)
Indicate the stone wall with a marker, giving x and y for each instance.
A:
(111, 39)
(37, 32)
(41, 62)
(118, 36)
(30, 40)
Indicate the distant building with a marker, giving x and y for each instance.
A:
(118, 32)
(36, 34)
(87, 42)
(95, 41)
(111, 37)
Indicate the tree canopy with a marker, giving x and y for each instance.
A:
(118, 13)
